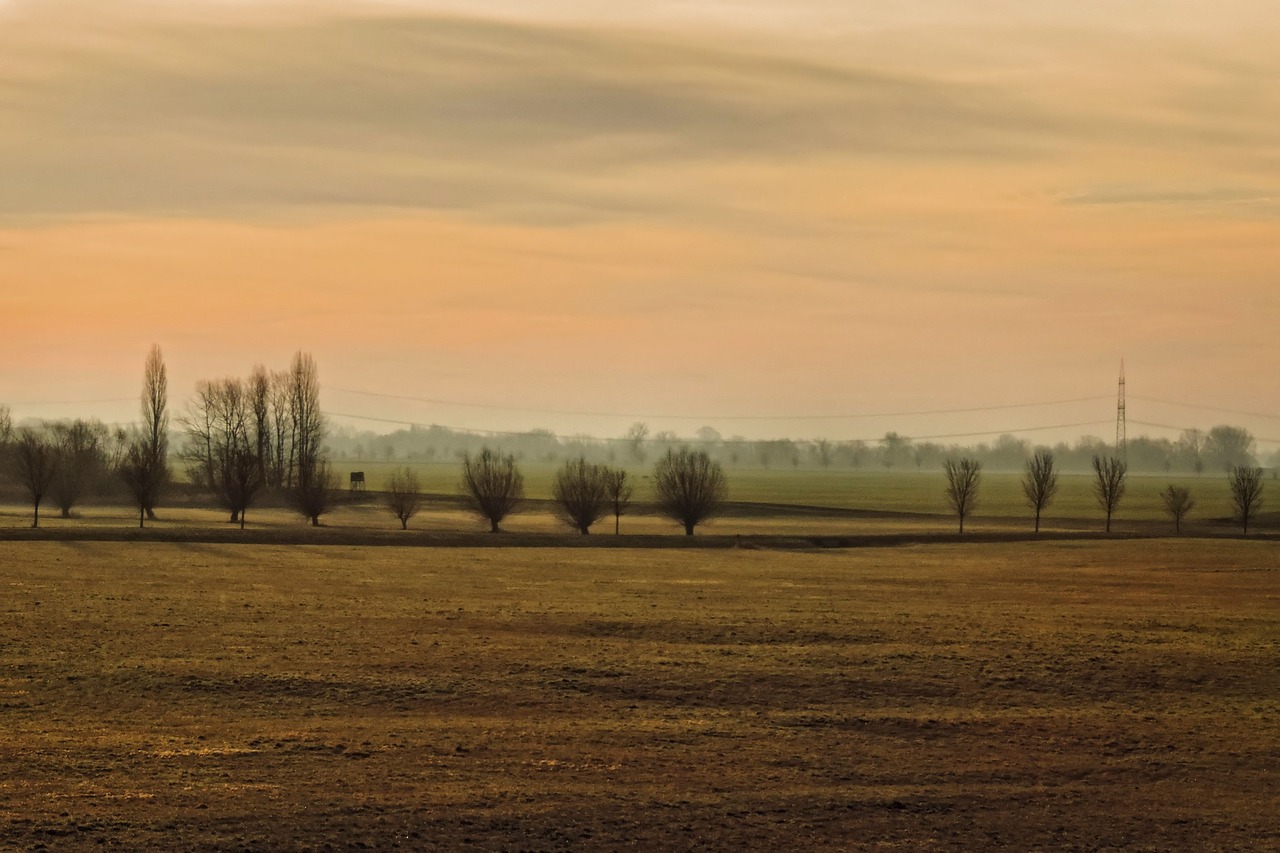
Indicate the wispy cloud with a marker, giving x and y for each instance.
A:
(307, 110)
(440, 113)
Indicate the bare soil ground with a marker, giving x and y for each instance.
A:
(1065, 695)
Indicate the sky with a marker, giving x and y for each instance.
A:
(811, 219)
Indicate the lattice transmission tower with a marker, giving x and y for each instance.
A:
(1122, 439)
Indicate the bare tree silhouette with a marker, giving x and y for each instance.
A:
(1040, 483)
(35, 465)
(155, 429)
(1246, 493)
(316, 493)
(580, 492)
(690, 487)
(620, 489)
(220, 451)
(963, 477)
(1178, 503)
(82, 460)
(404, 495)
(493, 485)
(1109, 484)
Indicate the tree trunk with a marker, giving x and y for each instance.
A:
(235, 516)
(617, 524)
(142, 523)
(242, 521)
(688, 528)
(151, 513)
(962, 525)
(1037, 521)
(404, 524)
(493, 526)
(1108, 521)
(66, 512)
(315, 521)
(35, 522)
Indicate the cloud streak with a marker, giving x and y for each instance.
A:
(441, 113)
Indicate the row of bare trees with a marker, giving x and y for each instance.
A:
(244, 436)
(690, 488)
(1040, 487)
(68, 461)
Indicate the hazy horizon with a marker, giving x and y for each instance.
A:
(687, 214)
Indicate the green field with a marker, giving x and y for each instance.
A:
(788, 502)
(1000, 494)
(1088, 695)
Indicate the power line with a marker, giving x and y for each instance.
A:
(1205, 408)
(801, 417)
(1185, 429)
(70, 402)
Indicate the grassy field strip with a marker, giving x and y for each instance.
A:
(875, 490)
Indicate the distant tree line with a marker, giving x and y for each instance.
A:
(1197, 452)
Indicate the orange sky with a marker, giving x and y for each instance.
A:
(668, 212)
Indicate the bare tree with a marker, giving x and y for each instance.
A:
(35, 465)
(635, 439)
(6, 427)
(221, 451)
(1190, 448)
(1109, 484)
(619, 489)
(242, 480)
(824, 451)
(1040, 483)
(690, 487)
(404, 495)
(493, 485)
(259, 390)
(313, 485)
(307, 419)
(764, 453)
(137, 469)
(281, 463)
(155, 431)
(142, 459)
(82, 460)
(317, 493)
(1246, 493)
(963, 476)
(893, 448)
(1178, 503)
(580, 492)
(1228, 447)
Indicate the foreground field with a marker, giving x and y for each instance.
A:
(1025, 696)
